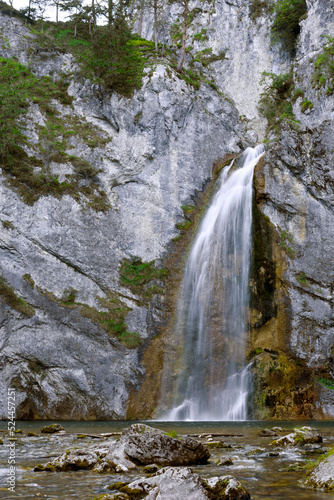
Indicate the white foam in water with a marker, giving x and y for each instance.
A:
(212, 323)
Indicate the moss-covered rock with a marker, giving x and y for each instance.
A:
(51, 429)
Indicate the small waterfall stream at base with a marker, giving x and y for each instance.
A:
(213, 379)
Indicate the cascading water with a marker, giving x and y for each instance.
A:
(213, 382)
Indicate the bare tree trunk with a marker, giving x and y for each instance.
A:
(184, 36)
(110, 9)
(94, 15)
(57, 6)
(155, 5)
(140, 28)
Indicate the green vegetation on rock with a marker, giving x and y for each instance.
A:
(324, 68)
(286, 28)
(328, 384)
(8, 296)
(260, 7)
(275, 101)
(31, 176)
(138, 275)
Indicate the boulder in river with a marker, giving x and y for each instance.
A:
(266, 433)
(50, 429)
(144, 445)
(322, 474)
(175, 482)
(299, 437)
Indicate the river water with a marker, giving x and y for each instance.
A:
(266, 477)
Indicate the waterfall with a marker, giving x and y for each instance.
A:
(213, 379)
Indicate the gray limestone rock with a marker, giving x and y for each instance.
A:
(299, 437)
(170, 483)
(322, 475)
(145, 445)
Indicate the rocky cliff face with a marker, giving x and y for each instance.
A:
(294, 190)
(64, 256)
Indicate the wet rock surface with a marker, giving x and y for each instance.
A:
(300, 437)
(322, 475)
(170, 483)
(144, 445)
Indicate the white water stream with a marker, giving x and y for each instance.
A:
(213, 381)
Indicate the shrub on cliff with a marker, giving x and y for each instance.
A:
(288, 14)
(275, 103)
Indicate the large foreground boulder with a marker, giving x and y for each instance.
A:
(322, 475)
(145, 445)
(181, 483)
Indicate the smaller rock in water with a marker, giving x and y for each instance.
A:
(32, 434)
(299, 437)
(225, 461)
(227, 487)
(150, 469)
(50, 429)
(267, 432)
(278, 429)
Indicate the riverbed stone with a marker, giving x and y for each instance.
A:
(299, 437)
(227, 487)
(267, 433)
(74, 460)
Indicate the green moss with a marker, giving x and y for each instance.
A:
(296, 94)
(305, 105)
(8, 296)
(138, 277)
(69, 296)
(6, 224)
(172, 434)
(301, 278)
(28, 279)
(328, 384)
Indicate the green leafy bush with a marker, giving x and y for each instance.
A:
(275, 103)
(286, 28)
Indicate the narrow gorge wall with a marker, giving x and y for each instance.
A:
(64, 256)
